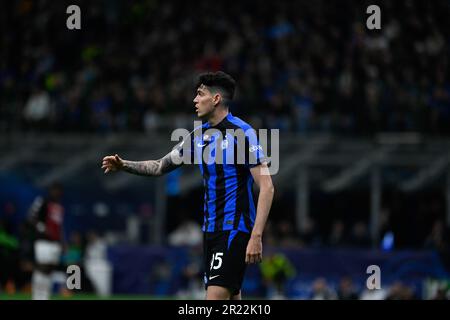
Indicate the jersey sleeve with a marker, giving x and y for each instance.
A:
(254, 151)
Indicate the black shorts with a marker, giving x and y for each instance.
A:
(224, 259)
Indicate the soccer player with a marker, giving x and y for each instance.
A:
(233, 227)
(46, 216)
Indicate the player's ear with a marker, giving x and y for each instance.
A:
(216, 99)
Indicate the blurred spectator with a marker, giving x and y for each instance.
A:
(442, 293)
(399, 291)
(37, 111)
(321, 290)
(188, 233)
(98, 268)
(346, 290)
(374, 294)
(74, 249)
(276, 270)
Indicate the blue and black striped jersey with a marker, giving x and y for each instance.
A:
(225, 153)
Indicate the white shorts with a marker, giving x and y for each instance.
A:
(47, 252)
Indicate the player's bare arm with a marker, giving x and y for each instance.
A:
(266, 191)
(143, 168)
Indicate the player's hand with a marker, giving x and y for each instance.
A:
(112, 163)
(254, 250)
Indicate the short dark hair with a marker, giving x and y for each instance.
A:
(218, 80)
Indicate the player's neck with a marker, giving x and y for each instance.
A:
(217, 117)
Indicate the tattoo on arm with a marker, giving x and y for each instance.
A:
(150, 167)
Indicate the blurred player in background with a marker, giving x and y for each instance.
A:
(232, 227)
(46, 216)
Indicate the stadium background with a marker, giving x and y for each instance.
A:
(364, 120)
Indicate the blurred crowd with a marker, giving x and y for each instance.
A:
(301, 66)
(284, 233)
(356, 235)
(347, 289)
(277, 274)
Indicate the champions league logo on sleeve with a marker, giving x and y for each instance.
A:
(255, 148)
